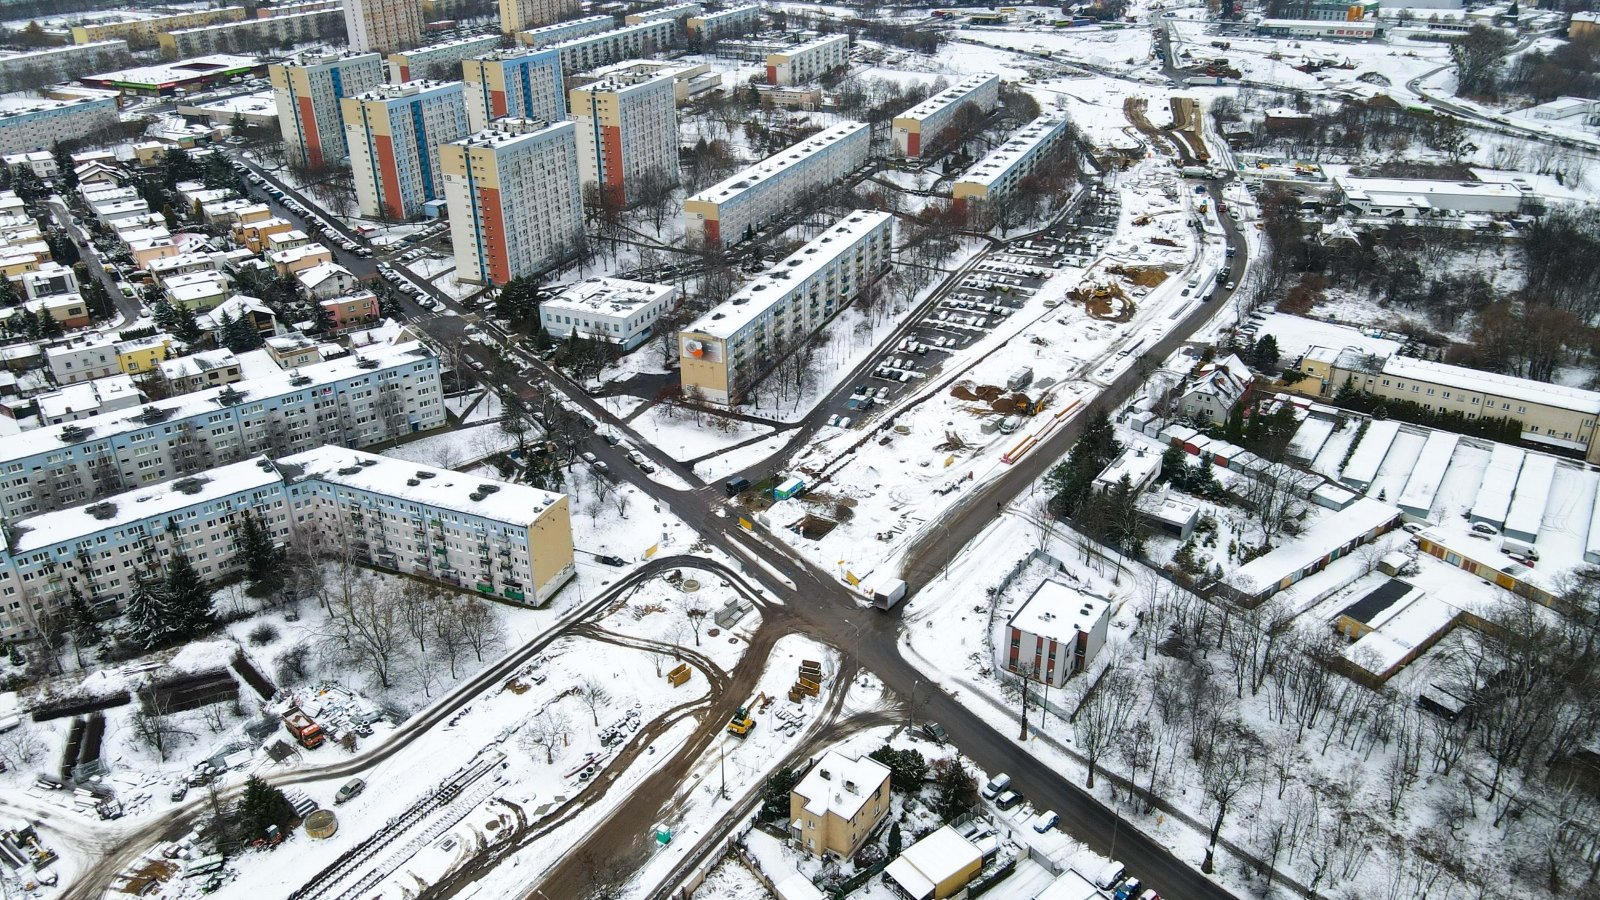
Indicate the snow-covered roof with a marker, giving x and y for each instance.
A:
(1429, 471)
(932, 861)
(840, 785)
(954, 94)
(1328, 534)
(198, 364)
(88, 395)
(317, 274)
(1363, 464)
(1399, 630)
(1070, 886)
(1057, 612)
(797, 887)
(1000, 161)
(1507, 386)
(608, 296)
(442, 489)
(1493, 500)
(235, 307)
(812, 45)
(1531, 496)
(775, 164)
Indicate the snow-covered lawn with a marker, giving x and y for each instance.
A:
(682, 437)
(449, 449)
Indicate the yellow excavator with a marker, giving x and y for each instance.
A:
(741, 723)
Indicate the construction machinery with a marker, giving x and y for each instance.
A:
(306, 731)
(741, 723)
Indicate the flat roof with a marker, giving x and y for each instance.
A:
(730, 187)
(1428, 473)
(954, 94)
(729, 12)
(1507, 386)
(808, 46)
(825, 788)
(517, 504)
(1324, 536)
(180, 72)
(1057, 611)
(1000, 160)
(728, 317)
(1377, 600)
(609, 296)
(932, 861)
(447, 46)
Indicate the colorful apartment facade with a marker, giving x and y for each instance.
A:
(310, 91)
(518, 84)
(627, 135)
(513, 196)
(394, 133)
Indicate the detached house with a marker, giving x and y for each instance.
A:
(838, 804)
(1216, 389)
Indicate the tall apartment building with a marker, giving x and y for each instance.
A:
(520, 15)
(52, 64)
(394, 133)
(733, 20)
(387, 26)
(627, 134)
(545, 35)
(252, 35)
(919, 126)
(513, 196)
(143, 32)
(504, 540)
(521, 84)
(588, 52)
(1005, 166)
(735, 208)
(310, 90)
(809, 61)
(29, 125)
(669, 13)
(379, 394)
(439, 62)
(726, 351)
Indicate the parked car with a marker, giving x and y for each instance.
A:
(997, 785)
(350, 790)
(1008, 799)
(935, 732)
(736, 486)
(617, 561)
(1045, 821)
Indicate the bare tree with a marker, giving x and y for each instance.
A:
(1102, 715)
(697, 617)
(366, 628)
(449, 638)
(152, 724)
(21, 747)
(480, 627)
(1226, 770)
(594, 695)
(417, 605)
(1018, 685)
(546, 732)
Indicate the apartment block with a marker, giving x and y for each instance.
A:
(52, 64)
(920, 125)
(726, 351)
(514, 200)
(394, 133)
(82, 359)
(29, 125)
(520, 15)
(252, 34)
(505, 540)
(1004, 167)
(310, 91)
(1055, 634)
(613, 310)
(591, 51)
(386, 26)
(689, 79)
(838, 804)
(733, 20)
(381, 393)
(499, 539)
(669, 13)
(439, 62)
(734, 209)
(142, 32)
(545, 35)
(520, 84)
(627, 135)
(809, 61)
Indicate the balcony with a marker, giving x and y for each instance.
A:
(512, 593)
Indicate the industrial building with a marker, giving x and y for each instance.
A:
(513, 197)
(919, 126)
(613, 310)
(999, 172)
(310, 90)
(438, 62)
(627, 135)
(1415, 198)
(384, 26)
(1055, 634)
(520, 84)
(727, 350)
(394, 133)
(189, 75)
(807, 62)
(735, 208)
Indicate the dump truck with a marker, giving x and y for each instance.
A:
(307, 732)
(741, 723)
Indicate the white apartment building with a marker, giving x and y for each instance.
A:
(735, 208)
(920, 125)
(733, 20)
(439, 62)
(669, 13)
(1002, 168)
(591, 51)
(614, 310)
(517, 84)
(387, 26)
(309, 91)
(726, 351)
(50, 64)
(1055, 634)
(627, 134)
(27, 125)
(520, 15)
(689, 79)
(545, 35)
(513, 197)
(809, 61)
(251, 34)
(394, 133)
(82, 359)
(380, 393)
(87, 400)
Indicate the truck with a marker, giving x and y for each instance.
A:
(1020, 379)
(1196, 172)
(888, 592)
(789, 487)
(308, 733)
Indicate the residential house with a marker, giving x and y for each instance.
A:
(1218, 387)
(838, 804)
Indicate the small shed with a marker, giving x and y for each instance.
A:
(936, 867)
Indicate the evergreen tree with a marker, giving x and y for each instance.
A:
(49, 327)
(86, 631)
(187, 596)
(261, 807)
(1071, 481)
(1173, 466)
(1233, 428)
(147, 620)
(237, 334)
(164, 314)
(1266, 353)
(894, 840)
(262, 561)
(69, 174)
(186, 326)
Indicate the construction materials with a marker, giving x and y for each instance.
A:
(680, 674)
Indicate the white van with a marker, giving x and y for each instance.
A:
(1010, 424)
(1521, 551)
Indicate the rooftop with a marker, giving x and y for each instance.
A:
(840, 785)
(1324, 536)
(1418, 187)
(948, 96)
(1059, 612)
(777, 163)
(727, 318)
(329, 57)
(932, 861)
(172, 73)
(798, 49)
(609, 296)
(414, 88)
(440, 488)
(1507, 386)
(198, 364)
(506, 132)
(447, 46)
(999, 161)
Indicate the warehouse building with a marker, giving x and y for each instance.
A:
(1416, 198)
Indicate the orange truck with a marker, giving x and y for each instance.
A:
(307, 732)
